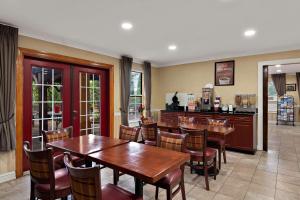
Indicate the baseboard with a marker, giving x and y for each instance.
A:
(7, 177)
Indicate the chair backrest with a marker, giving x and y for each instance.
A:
(147, 120)
(40, 165)
(129, 133)
(195, 140)
(183, 119)
(85, 182)
(172, 141)
(59, 134)
(218, 122)
(149, 131)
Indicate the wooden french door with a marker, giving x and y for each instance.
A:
(46, 93)
(55, 93)
(90, 112)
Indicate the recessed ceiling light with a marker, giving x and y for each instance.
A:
(172, 47)
(278, 70)
(249, 33)
(277, 66)
(127, 25)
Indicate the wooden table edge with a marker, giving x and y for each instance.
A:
(142, 177)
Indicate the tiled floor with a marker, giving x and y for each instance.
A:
(272, 175)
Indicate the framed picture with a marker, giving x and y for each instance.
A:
(224, 73)
(290, 87)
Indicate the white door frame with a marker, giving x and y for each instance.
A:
(260, 94)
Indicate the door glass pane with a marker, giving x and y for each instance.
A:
(47, 107)
(89, 103)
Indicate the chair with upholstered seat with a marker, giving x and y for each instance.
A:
(46, 182)
(60, 134)
(217, 141)
(205, 158)
(149, 133)
(126, 133)
(175, 142)
(86, 184)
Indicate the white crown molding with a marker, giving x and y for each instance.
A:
(7, 176)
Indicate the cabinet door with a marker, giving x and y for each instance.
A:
(244, 135)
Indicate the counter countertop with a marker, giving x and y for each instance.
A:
(210, 112)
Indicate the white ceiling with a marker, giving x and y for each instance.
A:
(202, 29)
(288, 69)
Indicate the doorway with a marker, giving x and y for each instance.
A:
(58, 95)
(263, 99)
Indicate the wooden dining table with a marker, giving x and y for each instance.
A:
(86, 144)
(144, 162)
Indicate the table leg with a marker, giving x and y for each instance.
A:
(138, 187)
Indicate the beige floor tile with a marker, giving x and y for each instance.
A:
(200, 193)
(222, 197)
(283, 195)
(262, 190)
(288, 187)
(256, 196)
(288, 179)
(235, 188)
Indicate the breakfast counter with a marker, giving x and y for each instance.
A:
(244, 138)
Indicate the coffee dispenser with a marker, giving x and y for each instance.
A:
(207, 99)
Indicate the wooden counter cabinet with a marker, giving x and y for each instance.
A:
(244, 138)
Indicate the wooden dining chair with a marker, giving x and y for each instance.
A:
(46, 182)
(86, 184)
(126, 133)
(60, 134)
(175, 142)
(205, 158)
(147, 120)
(217, 141)
(149, 133)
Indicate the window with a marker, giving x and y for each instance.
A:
(272, 97)
(136, 97)
(271, 89)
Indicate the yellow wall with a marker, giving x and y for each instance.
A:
(192, 77)
(7, 163)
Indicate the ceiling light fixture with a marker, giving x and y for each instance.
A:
(278, 70)
(249, 33)
(127, 26)
(172, 47)
(277, 66)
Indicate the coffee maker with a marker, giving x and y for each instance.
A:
(207, 99)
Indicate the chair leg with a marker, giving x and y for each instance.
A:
(219, 156)
(224, 155)
(169, 194)
(191, 166)
(206, 177)
(156, 192)
(116, 177)
(182, 190)
(215, 168)
(32, 196)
